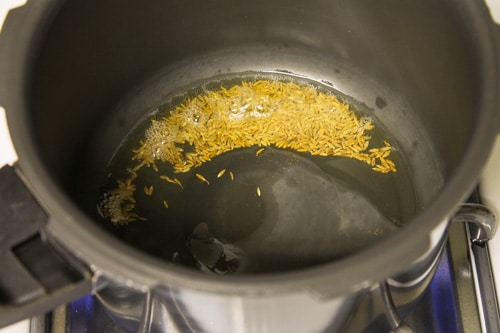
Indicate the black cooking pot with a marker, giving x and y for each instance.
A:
(76, 76)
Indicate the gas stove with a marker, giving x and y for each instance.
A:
(461, 296)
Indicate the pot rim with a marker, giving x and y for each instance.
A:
(111, 257)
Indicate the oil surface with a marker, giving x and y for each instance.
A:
(263, 203)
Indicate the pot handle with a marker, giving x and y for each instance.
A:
(482, 226)
(481, 220)
(35, 277)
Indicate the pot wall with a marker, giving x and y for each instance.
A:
(94, 55)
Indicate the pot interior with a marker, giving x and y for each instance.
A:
(105, 66)
(249, 179)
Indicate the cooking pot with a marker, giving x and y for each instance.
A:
(75, 77)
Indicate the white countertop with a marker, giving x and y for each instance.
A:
(490, 184)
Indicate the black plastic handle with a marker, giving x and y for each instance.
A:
(34, 277)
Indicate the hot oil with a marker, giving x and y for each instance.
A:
(258, 208)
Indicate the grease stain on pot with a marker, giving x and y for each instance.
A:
(380, 102)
